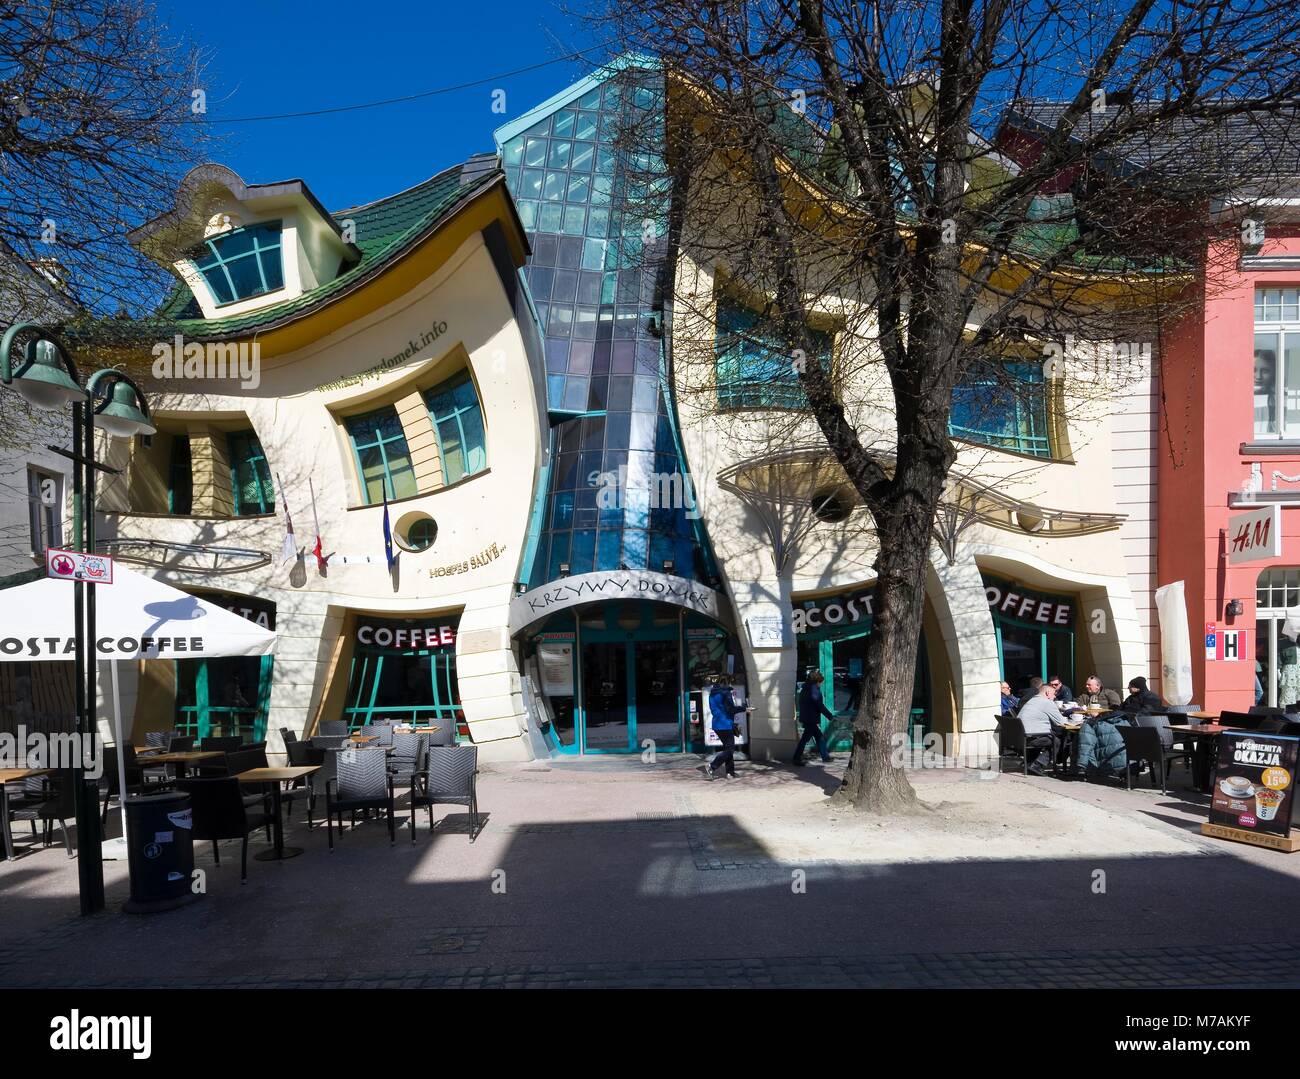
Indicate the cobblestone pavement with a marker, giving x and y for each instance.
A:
(622, 876)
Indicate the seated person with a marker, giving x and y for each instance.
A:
(1010, 702)
(1094, 695)
(1031, 691)
(1040, 717)
(1064, 695)
(1140, 699)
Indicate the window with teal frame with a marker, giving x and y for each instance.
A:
(250, 477)
(414, 685)
(1003, 405)
(382, 456)
(243, 263)
(458, 423)
(223, 697)
(754, 364)
(180, 478)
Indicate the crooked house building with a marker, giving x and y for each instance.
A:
(570, 423)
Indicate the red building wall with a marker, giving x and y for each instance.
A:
(1207, 375)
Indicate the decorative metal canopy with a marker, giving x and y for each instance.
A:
(780, 488)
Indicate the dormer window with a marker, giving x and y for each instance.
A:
(243, 263)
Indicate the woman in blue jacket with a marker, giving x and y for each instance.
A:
(811, 709)
(723, 709)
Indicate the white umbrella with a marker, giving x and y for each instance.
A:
(136, 617)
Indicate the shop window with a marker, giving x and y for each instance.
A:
(405, 670)
(458, 423)
(755, 367)
(1277, 651)
(44, 509)
(243, 263)
(252, 491)
(1003, 405)
(180, 478)
(382, 457)
(223, 696)
(1277, 363)
(1035, 633)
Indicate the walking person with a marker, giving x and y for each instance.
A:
(723, 710)
(811, 709)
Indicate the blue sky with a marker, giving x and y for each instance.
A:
(294, 56)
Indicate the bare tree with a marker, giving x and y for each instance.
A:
(951, 184)
(100, 116)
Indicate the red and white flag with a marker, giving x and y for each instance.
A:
(321, 558)
(290, 541)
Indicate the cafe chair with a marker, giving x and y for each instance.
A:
(407, 756)
(1249, 721)
(222, 744)
(333, 727)
(445, 735)
(287, 736)
(363, 783)
(134, 775)
(329, 741)
(449, 776)
(1266, 710)
(302, 755)
(1012, 739)
(1145, 741)
(221, 812)
(57, 804)
(156, 738)
(382, 731)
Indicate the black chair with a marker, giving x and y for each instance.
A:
(221, 744)
(1266, 710)
(1249, 721)
(1144, 742)
(134, 775)
(57, 804)
(220, 812)
(407, 756)
(287, 736)
(180, 743)
(1012, 738)
(363, 783)
(450, 776)
(333, 727)
(303, 755)
(329, 741)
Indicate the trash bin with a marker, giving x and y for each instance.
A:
(160, 851)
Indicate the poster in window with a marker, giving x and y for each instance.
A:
(555, 658)
(1254, 783)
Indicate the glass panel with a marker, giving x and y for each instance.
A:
(1266, 370)
(1291, 386)
(657, 694)
(604, 696)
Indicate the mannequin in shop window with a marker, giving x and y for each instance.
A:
(1288, 674)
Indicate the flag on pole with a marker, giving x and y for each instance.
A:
(388, 534)
(317, 550)
(290, 541)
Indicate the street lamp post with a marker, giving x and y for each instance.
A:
(47, 379)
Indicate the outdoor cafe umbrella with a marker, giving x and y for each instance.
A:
(136, 617)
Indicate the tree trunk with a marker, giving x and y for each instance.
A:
(872, 781)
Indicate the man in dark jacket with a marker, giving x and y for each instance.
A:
(811, 709)
(1064, 694)
(1140, 699)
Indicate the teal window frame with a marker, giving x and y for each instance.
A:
(366, 674)
(248, 468)
(753, 364)
(459, 415)
(199, 718)
(389, 452)
(214, 262)
(1006, 408)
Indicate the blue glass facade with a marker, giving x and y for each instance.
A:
(582, 194)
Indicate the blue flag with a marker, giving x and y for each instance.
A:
(388, 534)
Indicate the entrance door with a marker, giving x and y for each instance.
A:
(630, 694)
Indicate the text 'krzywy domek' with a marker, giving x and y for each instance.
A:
(588, 451)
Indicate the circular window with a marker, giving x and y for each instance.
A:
(831, 504)
(416, 532)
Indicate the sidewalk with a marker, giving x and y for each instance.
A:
(613, 872)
